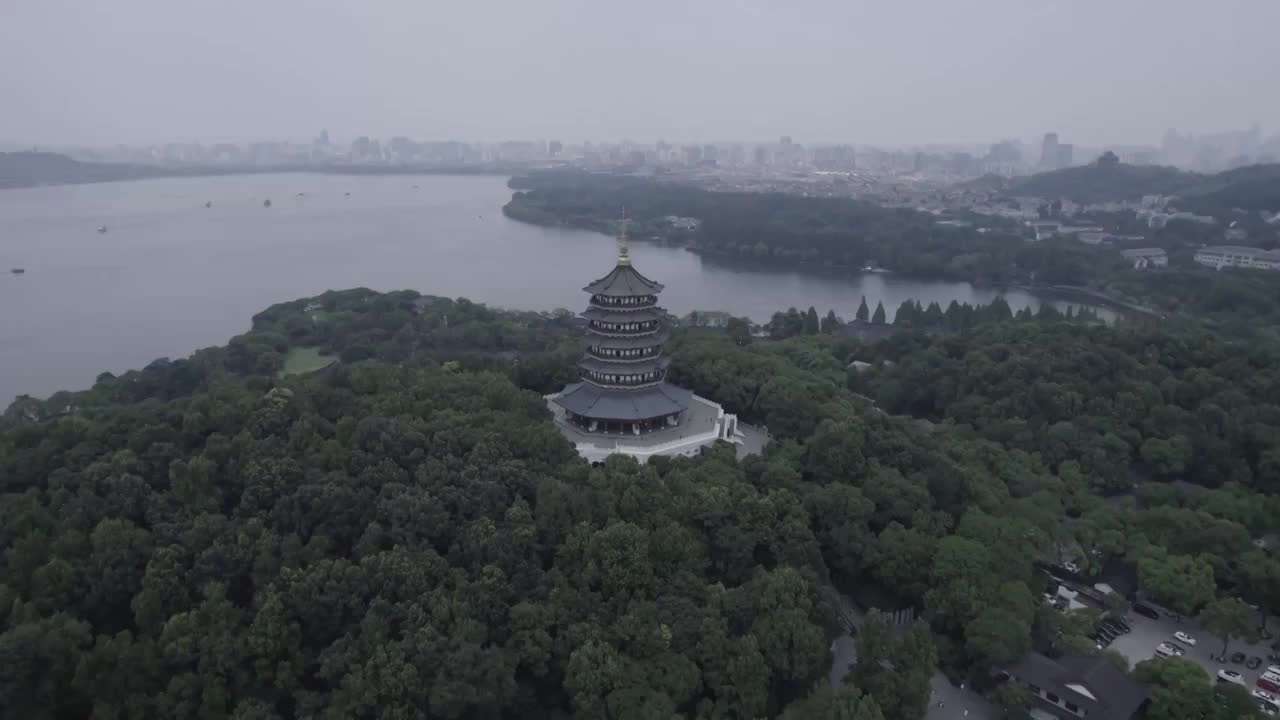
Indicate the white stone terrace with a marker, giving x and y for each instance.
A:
(703, 424)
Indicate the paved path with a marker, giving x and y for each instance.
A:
(956, 701)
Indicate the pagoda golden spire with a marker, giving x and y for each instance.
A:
(624, 247)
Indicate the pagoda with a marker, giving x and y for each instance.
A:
(623, 388)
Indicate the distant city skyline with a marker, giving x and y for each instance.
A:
(934, 71)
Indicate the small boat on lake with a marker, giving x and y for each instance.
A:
(209, 204)
(266, 203)
(18, 271)
(102, 229)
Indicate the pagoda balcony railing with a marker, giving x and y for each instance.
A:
(606, 302)
(614, 332)
(598, 379)
(622, 308)
(600, 354)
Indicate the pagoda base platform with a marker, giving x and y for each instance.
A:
(702, 425)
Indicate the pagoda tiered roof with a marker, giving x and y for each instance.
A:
(638, 366)
(624, 281)
(641, 314)
(592, 401)
(626, 342)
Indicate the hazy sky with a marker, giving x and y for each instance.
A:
(891, 71)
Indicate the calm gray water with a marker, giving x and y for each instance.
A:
(171, 276)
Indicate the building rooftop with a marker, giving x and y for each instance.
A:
(624, 366)
(1102, 690)
(622, 315)
(699, 420)
(1143, 252)
(593, 401)
(1241, 250)
(624, 281)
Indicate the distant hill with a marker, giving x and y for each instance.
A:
(27, 169)
(1100, 182)
(1256, 187)
(32, 169)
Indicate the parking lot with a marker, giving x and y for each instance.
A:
(1140, 644)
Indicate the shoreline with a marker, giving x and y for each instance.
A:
(135, 173)
(1043, 292)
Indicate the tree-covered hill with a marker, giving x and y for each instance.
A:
(404, 534)
(1252, 188)
(25, 169)
(1102, 182)
(775, 227)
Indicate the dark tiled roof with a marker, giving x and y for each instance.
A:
(623, 316)
(626, 343)
(593, 401)
(624, 281)
(1115, 695)
(624, 368)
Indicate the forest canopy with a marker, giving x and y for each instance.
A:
(404, 533)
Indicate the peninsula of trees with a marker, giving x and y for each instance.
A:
(851, 234)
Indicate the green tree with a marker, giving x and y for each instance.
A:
(997, 637)
(830, 323)
(863, 313)
(1181, 582)
(739, 330)
(1180, 689)
(843, 703)
(812, 326)
(1228, 618)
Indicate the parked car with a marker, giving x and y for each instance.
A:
(1253, 662)
(1124, 626)
(1184, 638)
(1146, 611)
(1237, 658)
(1269, 682)
(1231, 676)
(1166, 649)
(1274, 670)
(1267, 702)
(1116, 625)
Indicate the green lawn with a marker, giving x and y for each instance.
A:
(301, 360)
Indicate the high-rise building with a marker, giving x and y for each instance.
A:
(834, 158)
(1049, 155)
(554, 148)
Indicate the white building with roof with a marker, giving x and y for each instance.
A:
(1143, 258)
(1220, 256)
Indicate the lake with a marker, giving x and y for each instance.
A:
(171, 276)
